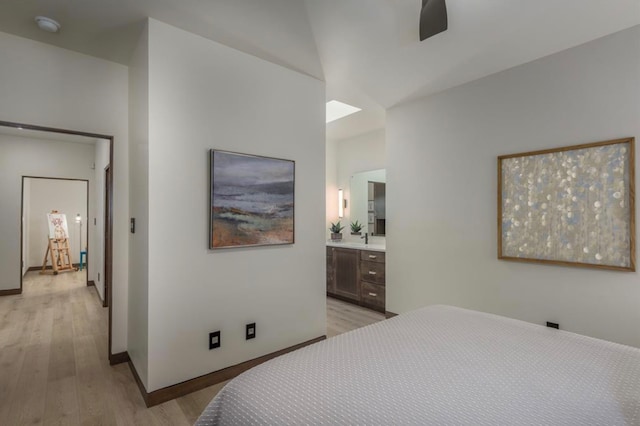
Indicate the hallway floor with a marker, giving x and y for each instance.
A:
(53, 364)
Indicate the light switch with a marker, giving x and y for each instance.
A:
(214, 340)
(250, 331)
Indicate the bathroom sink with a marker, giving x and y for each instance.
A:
(357, 245)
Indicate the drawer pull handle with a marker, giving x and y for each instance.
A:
(373, 294)
(372, 273)
(372, 256)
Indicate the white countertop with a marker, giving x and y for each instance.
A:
(358, 246)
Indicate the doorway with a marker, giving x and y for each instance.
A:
(41, 168)
(43, 195)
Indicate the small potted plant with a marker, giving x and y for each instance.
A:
(356, 228)
(336, 231)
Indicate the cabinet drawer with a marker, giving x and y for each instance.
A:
(329, 251)
(372, 295)
(372, 272)
(372, 256)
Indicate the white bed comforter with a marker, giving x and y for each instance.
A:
(440, 365)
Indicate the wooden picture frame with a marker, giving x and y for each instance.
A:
(572, 206)
(252, 200)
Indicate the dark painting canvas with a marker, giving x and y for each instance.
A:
(252, 200)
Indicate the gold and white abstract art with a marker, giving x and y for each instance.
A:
(572, 205)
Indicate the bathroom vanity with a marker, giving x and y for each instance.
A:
(356, 273)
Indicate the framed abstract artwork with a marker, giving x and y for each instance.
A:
(570, 206)
(252, 200)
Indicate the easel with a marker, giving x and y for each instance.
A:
(60, 256)
(60, 253)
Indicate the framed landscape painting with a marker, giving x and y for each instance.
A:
(252, 200)
(569, 206)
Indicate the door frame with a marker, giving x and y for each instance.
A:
(108, 242)
(112, 359)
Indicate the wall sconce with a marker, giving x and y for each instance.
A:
(342, 203)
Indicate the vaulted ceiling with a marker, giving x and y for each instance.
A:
(367, 51)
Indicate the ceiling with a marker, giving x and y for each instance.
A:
(367, 51)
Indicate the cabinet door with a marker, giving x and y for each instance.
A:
(346, 273)
(331, 281)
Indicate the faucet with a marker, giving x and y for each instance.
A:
(366, 238)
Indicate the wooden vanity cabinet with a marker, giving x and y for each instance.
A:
(357, 276)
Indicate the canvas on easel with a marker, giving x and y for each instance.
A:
(58, 229)
(58, 244)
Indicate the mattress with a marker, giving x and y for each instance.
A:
(440, 365)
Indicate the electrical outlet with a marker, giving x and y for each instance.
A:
(214, 339)
(250, 331)
(553, 325)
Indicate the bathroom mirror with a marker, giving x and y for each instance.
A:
(368, 201)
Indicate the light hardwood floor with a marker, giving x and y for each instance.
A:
(54, 369)
(343, 317)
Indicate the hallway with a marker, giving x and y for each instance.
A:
(54, 367)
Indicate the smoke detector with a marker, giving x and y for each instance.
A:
(47, 24)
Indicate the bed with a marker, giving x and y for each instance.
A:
(440, 365)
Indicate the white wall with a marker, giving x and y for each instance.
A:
(66, 196)
(19, 157)
(441, 180)
(139, 206)
(204, 95)
(48, 86)
(359, 154)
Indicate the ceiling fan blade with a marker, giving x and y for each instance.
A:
(433, 18)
